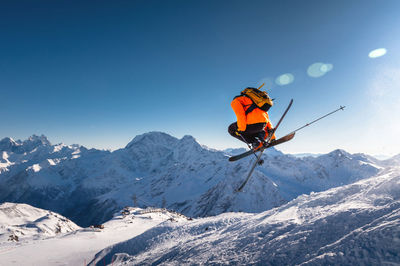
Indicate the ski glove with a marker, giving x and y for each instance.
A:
(269, 131)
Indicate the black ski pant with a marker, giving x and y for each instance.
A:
(250, 134)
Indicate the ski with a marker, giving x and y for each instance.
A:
(281, 140)
(271, 144)
(268, 141)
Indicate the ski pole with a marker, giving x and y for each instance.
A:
(312, 122)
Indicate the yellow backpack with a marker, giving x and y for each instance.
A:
(260, 99)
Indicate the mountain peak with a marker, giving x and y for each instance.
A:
(35, 138)
(35, 141)
(7, 139)
(188, 139)
(189, 142)
(152, 138)
(8, 144)
(339, 153)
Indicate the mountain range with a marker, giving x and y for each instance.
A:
(156, 169)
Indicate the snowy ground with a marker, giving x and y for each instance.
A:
(79, 247)
(19, 222)
(357, 224)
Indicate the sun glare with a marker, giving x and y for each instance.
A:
(385, 103)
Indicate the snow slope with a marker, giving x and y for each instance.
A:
(156, 169)
(79, 246)
(21, 221)
(356, 224)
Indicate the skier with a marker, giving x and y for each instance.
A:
(253, 124)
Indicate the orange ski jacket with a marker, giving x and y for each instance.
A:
(239, 105)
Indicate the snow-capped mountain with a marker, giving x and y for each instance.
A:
(8, 144)
(21, 221)
(156, 169)
(356, 224)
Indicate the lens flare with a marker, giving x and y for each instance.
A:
(319, 69)
(326, 67)
(377, 53)
(284, 79)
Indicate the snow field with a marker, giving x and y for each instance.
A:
(80, 246)
(354, 224)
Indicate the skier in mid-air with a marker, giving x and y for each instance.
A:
(254, 127)
(253, 124)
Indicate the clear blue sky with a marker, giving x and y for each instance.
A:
(98, 73)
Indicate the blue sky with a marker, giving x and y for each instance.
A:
(98, 73)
